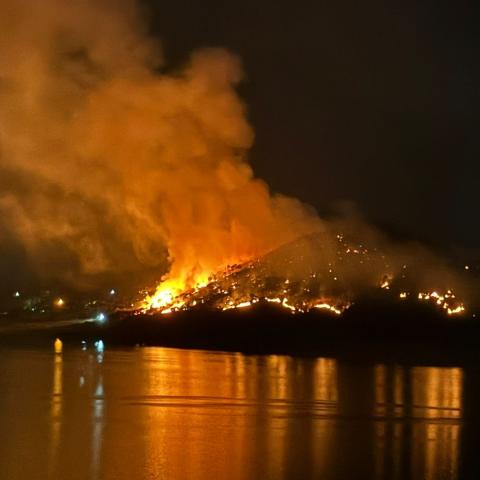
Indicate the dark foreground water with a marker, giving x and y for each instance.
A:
(155, 413)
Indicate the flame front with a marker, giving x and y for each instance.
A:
(243, 285)
(167, 295)
(447, 301)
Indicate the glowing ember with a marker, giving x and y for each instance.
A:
(243, 305)
(453, 311)
(386, 281)
(446, 301)
(287, 305)
(273, 300)
(326, 306)
(60, 302)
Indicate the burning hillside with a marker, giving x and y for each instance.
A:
(304, 275)
(112, 162)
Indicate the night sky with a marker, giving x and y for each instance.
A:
(359, 102)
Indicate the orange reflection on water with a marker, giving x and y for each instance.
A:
(237, 414)
(56, 412)
(437, 392)
(437, 396)
(164, 413)
(419, 411)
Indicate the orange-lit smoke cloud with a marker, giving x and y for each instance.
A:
(108, 162)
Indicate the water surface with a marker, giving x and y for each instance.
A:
(157, 413)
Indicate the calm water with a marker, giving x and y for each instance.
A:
(155, 413)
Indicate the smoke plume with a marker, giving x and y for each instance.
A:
(107, 163)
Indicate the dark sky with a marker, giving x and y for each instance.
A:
(370, 102)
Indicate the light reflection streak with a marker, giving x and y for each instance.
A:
(98, 426)
(56, 407)
(427, 402)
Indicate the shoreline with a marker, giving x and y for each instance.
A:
(406, 333)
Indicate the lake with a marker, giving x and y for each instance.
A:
(158, 413)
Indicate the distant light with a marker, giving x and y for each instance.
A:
(16, 294)
(60, 302)
(58, 346)
(84, 345)
(467, 267)
(101, 317)
(99, 346)
(112, 291)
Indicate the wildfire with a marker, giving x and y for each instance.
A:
(168, 295)
(273, 300)
(447, 301)
(327, 306)
(231, 305)
(285, 304)
(243, 285)
(170, 298)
